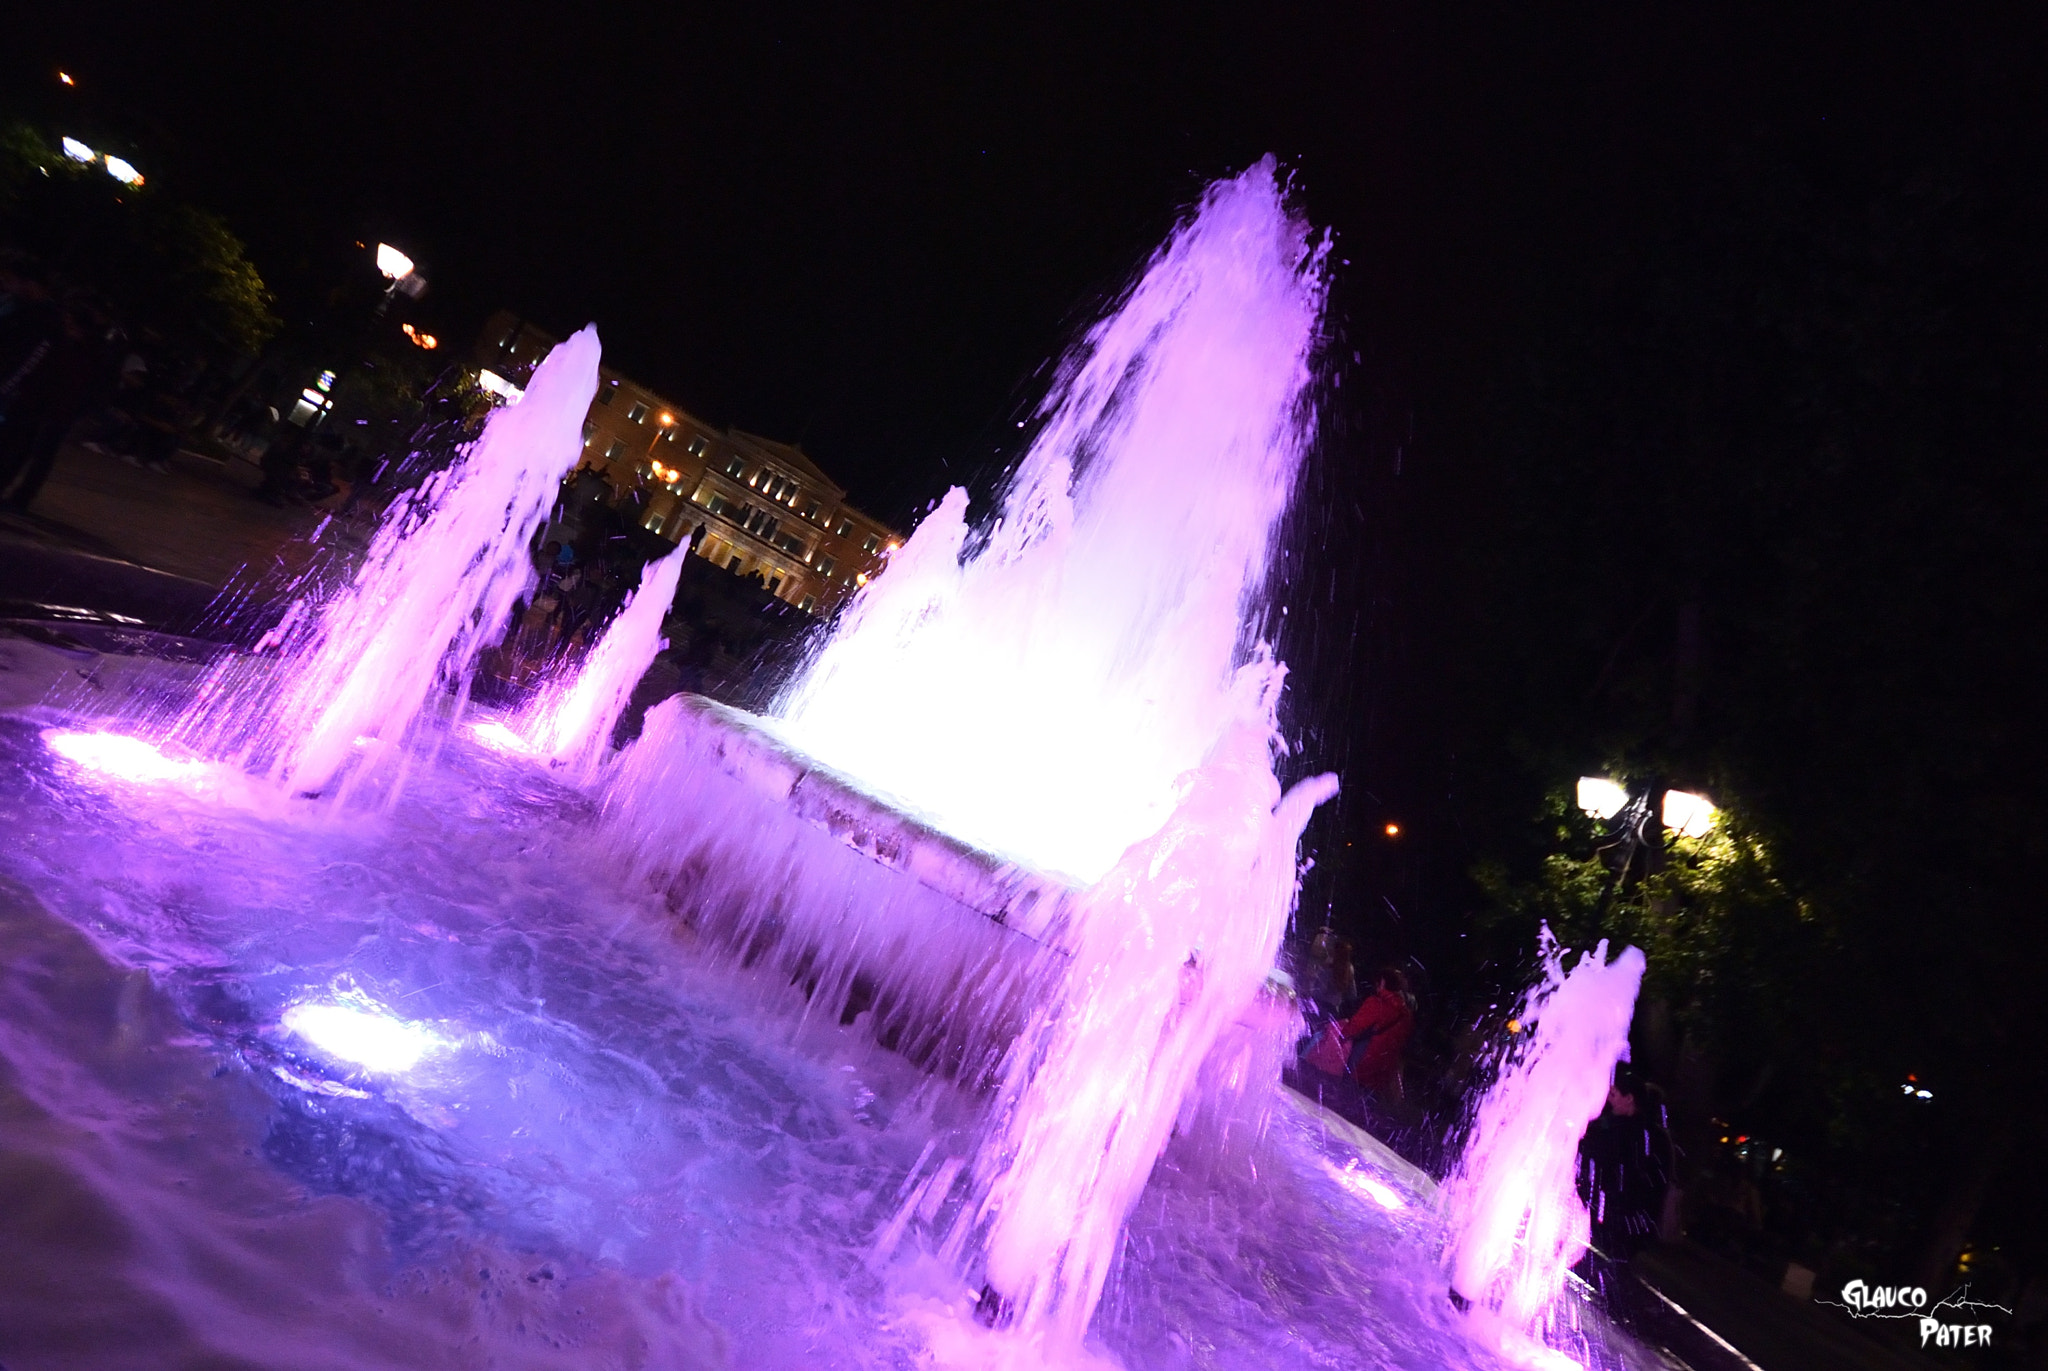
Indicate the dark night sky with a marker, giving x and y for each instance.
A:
(867, 228)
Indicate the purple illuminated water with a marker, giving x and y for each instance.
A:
(570, 720)
(761, 1043)
(357, 667)
(1516, 1221)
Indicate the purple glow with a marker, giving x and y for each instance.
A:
(572, 722)
(1358, 1183)
(1091, 693)
(120, 756)
(1517, 1224)
(435, 588)
(1101, 631)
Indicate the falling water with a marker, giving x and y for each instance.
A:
(1041, 690)
(436, 587)
(1516, 1221)
(1084, 688)
(571, 723)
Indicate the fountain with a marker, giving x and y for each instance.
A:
(925, 1021)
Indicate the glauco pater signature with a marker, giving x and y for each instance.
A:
(1864, 1301)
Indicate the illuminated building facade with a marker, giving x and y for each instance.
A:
(756, 507)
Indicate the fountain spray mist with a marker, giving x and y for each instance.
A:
(1516, 1221)
(1085, 688)
(1041, 695)
(571, 723)
(435, 589)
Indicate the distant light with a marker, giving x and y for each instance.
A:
(1600, 797)
(326, 380)
(429, 341)
(123, 171)
(497, 385)
(362, 1033)
(1689, 815)
(1923, 1094)
(1393, 830)
(65, 77)
(1515, 1026)
(79, 152)
(393, 263)
(119, 756)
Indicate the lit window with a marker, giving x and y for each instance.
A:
(589, 432)
(671, 435)
(825, 565)
(605, 392)
(845, 528)
(811, 511)
(808, 603)
(870, 544)
(697, 446)
(615, 451)
(734, 467)
(637, 414)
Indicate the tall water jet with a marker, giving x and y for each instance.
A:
(571, 723)
(1168, 951)
(1085, 687)
(435, 588)
(1517, 1223)
(1041, 693)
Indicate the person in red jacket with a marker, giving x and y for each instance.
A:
(1384, 1020)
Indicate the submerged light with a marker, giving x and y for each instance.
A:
(119, 756)
(362, 1033)
(1359, 1183)
(498, 735)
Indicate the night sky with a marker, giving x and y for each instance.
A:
(868, 228)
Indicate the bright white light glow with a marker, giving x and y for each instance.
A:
(79, 152)
(123, 171)
(392, 262)
(497, 385)
(1689, 815)
(1358, 1183)
(362, 1033)
(114, 754)
(1600, 797)
(496, 734)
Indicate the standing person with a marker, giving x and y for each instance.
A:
(48, 402)
(1624, 1167)
(1384, 1023)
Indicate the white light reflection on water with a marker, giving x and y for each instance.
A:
(366, 1034)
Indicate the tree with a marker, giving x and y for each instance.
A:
(162, 264)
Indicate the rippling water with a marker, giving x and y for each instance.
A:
(622, 1153)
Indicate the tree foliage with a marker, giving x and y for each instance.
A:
(163, 264)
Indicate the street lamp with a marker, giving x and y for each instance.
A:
(395, 265)
(1600, 797)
